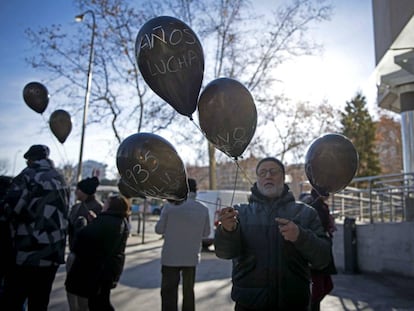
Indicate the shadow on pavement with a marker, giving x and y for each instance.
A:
(368, 291)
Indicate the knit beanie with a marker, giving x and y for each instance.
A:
(88, 185)
(37, 152)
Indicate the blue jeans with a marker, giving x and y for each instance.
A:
(169, 288)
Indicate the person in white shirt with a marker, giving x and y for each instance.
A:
(183, 225)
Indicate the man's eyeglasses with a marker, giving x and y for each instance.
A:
(271, 171)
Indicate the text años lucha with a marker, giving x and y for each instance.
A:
(172, 62)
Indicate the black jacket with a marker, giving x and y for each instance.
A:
(99, 255)
(270, 273)
(81, 209)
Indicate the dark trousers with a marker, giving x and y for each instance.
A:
(101, 302)
(169, 288)
(31, 283)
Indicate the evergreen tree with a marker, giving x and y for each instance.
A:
(359, 127)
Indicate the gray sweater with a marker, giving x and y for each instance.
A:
(183, 227)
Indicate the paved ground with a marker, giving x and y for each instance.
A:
(138, 289)
(376, 292)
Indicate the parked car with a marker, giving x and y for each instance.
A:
(153, 206)
(156, 209)
(215, 200)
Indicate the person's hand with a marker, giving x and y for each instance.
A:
(228, 218)
(91, 215)
(288, 229)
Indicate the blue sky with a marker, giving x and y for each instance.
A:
(345, 67)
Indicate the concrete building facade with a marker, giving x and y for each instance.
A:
(394, 56)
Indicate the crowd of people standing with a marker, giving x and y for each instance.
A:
(279, 246)
(37, 224)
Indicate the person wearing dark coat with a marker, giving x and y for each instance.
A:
(6, 245)
(87, 207)
(37, 204)
(82, 213)
(322, 283)
(272, 241)
(99, 251)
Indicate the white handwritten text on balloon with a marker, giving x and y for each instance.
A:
(172, 62)
(229, 141)
(176, 37)
(149, 180)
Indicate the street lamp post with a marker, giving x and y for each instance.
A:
(79, 18)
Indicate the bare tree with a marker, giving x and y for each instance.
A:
(119, 97)
(289, 127)
(238, 43)
(249, 47)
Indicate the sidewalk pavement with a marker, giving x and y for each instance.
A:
(363, 291)
(377, 292)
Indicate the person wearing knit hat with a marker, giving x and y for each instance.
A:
(88, 186)
(37, 204)
(37, 152)
(273, 240)
(80, 215)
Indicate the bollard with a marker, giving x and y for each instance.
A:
(350, 246)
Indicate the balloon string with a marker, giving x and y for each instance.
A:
(62, 197)
(244, 173)
(201, 131)
(57, 147)
(197, 126)
(235, 182)
(235, 160)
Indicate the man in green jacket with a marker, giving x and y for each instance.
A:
(273, 241)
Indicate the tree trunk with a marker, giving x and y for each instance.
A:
(212, 166)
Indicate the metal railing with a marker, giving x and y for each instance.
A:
(383, 198)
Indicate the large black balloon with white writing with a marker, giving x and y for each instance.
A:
(171, 60)
(128, 191)
(36, 96)
(227, 115)
(331, 163)
(150, 166)
(60, 124)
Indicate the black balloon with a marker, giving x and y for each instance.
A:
(60, 124)
(227, 115)
(36, 96)
(171, 60)
(150, 165)
(128, 191)
(331, 163)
